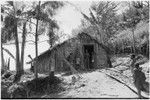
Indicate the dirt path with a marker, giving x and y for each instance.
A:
(96, 85)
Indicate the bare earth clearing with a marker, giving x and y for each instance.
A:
(97, 84)
(93, 85)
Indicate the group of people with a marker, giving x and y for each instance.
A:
(138, 75)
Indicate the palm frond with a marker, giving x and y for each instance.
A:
(50, 7)
(52, 4)
(6, 50)
(86, 17)
(10, 3)
(93, 17)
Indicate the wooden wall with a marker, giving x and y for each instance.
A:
(55, 60)
(101, 57)
(43, 65)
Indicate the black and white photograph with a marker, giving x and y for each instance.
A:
(75, 49)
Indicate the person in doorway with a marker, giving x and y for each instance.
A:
(139, 79)
(92, 60)
(78, 63)
(87, 56)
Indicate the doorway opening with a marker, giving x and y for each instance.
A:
(89, 56)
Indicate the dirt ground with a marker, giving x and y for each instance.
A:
(97, 84)
(93, 85)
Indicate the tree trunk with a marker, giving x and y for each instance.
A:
(147, 49)
(18, 69)
(51, 72)
(23, 46)
(36, 39)
(99, 32)
(8, 64)
(73, 70)
(2, 55)
(134, 51)
(50, 35)
(147, 46)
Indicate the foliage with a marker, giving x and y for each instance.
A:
(103, 18)
(138, 11)
(115, 28)
(50, 8)
(106, 16)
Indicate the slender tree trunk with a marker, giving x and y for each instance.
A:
(23, 46)
(147, 47)
(8, 64)
(50, 35)
(134, 50)
(51, 74)
(2, 55)
(99, 32)
(18, 69)
(147, 50)
(36, 39)
(17, 51)
(114, 49)
(36, 48)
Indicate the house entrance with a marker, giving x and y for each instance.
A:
(89, 56)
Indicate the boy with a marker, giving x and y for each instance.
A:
(139, 79)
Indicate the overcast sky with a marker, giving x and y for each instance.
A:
(69, 17)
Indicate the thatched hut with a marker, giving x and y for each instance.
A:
(82, 52)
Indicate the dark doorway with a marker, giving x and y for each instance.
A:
(89, 56)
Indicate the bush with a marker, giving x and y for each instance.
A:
(4, 93)
(17, 91)
(4, 88)
(40, 85)
(7, 74)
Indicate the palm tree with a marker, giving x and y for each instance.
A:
(44, 13)
(11, 23)
(14, 19)
(36, 36)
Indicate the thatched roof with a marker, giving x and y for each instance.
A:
(48, 52)
(103, 46)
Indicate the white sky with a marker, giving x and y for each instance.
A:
(69, 17)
